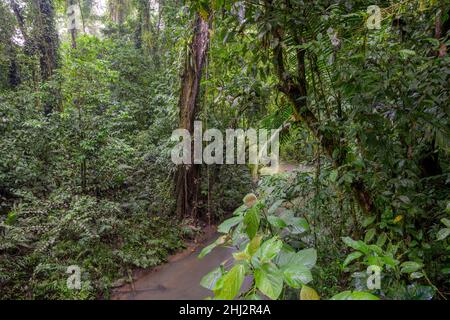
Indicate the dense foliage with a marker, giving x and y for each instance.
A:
(377, 122)
(86, 117)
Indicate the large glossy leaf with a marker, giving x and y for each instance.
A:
(299, 225)
(355, 295)
(209, 281)
(254, 245)
(231, 283)
(269, 249)
(251, 221)
(296, 275)
(226, 226)
(306, 257)
(269, 281)
(276, 222)
(285, 256)
(241, 255)
(253, 297)
(206, 250)
(296, 224)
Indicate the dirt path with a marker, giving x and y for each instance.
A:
(179, 278)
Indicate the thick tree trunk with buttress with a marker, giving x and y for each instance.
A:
(187, 178)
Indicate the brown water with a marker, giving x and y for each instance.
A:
(179, 278)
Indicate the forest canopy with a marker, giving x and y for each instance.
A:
(357, 207)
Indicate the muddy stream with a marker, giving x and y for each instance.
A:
(179, 278)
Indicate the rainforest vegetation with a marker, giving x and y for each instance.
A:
(92, 90)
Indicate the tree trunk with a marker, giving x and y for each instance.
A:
(187, 177)
(13, 70)
(118, 10)
(143, 26)
(20, 19)
(73, 30)
(295, 88)
(47, 43)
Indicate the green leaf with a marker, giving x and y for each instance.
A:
(410, 266)
(434, 42)
(285, 256)
(369, 235)
(446, 222)
(368, 221)
(231, 283)
(276, 222)
(345, 295)
(296, 275)
(352, 256)
(217, 4)
(226, 226)
(359, 163)
(381, 240)
(357, 245)
(251, 221)
(416, 275)
(206, 250)
(253, 297)
(375, 261)
(355, 295)
(269, 281)
(308, 293)
(350, 242)
(269, 249)
(375, 249)
(390, 261)
(405, 53)
(299, 225)
(239, 211)
(405, 199)
(306, 257)
(275, 206)
(242, 255)
(348, 177)
(218, 286)
(443, 233)
(11, 218)
(209, 281)
(333, 175)
(254, 245)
